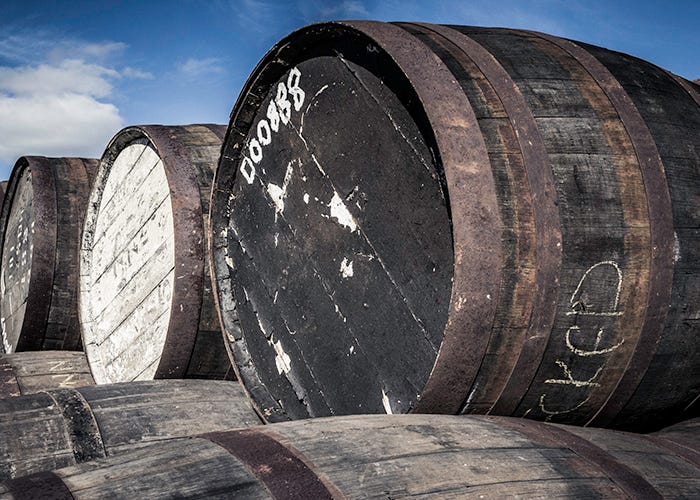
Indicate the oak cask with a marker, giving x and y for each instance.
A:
(387, 456)
(40, 224)
(146, 307)
(62, 427)
(422, 218)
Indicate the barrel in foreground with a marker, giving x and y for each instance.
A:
(41, 221)
(62, 427)
(460, 220)
(146, 306)
(383, 456)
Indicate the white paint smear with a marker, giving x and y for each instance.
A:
(278, 194)
(306, 198)
(282, 360)
(341, 213)
(346, 269)
(386, 403)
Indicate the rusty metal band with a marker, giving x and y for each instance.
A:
(475, 215)
(548, 235)
(690, 455)
(39, 485)
(626, 478)
(72, 192)
(9, 385)
(188, 225)
(283, 472)
(81, 426)
(660, 224)
(687, 86)
(43, 257)
(218, 130)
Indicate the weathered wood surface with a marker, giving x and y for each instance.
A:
(389, 457)
(460, 220)
(63, 427)
(25, 373)
(41, 223)
(146, 305)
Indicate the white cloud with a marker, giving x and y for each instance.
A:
(193, 68)
(56, 101)
(70, 75)
(55, 125)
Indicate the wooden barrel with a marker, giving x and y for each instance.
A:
(31, 372)
(146, 304)
(63, 427)
(41, 221)
(387, 457)
(460, 220)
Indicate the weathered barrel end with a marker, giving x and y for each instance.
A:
(145, 298)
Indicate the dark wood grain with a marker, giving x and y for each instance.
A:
(58, 428)
(32, 372)
(395, 456)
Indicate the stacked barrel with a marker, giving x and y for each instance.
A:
(400, 219)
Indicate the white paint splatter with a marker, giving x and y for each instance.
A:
(386, 403)
(346, 268)
(306, 198)
(352, 349)
(282, 360)
(229, 262)
(341, 213)
(278, 194)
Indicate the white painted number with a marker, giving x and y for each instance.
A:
(279, 110)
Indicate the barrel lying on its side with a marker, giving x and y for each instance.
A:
(42, 218)
(25, 373)
(450, 219)
(146, 307)
(388, 457)
(67, 426)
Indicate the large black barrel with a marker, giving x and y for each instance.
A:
(146, 306)
(63, 427)
(40, 225)
(413, 217)
(385, 456)
(31, 372)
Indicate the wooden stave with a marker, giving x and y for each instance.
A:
(36, 371)
(192, 346)
(627, 420)
(59, 428)
(61, 187)
(366, 456)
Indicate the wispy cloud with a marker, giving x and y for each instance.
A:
(194, 68)
(343, 10)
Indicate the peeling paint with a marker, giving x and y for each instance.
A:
(346, 268)
(341, 213)
(386, 403)
(282, 360)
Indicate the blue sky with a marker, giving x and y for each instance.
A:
(72, 73)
